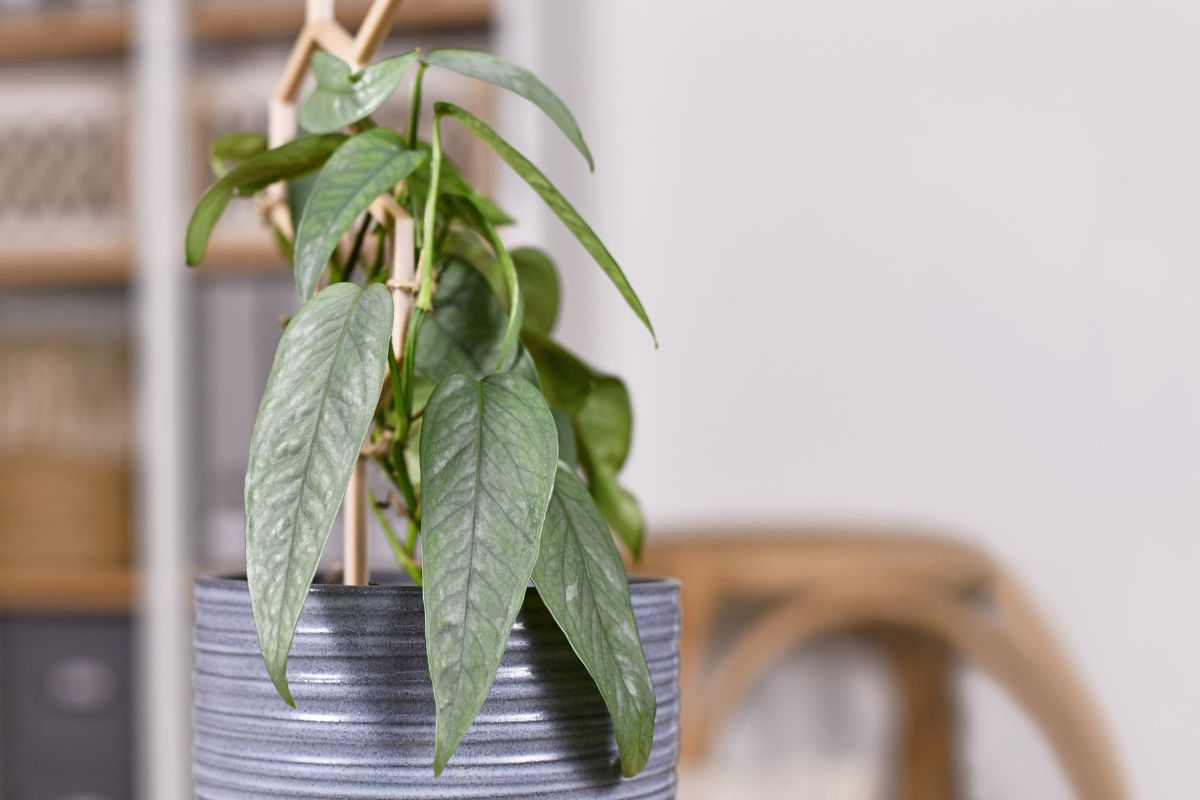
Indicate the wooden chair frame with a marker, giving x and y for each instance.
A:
(928, 602)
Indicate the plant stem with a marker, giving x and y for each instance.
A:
(398, 549)
(414, 106)
(425, 264)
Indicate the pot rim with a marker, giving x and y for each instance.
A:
(402, 584)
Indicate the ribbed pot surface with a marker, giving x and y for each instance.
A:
(363, 723)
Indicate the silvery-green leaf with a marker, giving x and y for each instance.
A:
(580, 578)
(554, 200)
(363, 168)
(342, 98)
(488, 456)
(315, 413)
(465, 331)
(287, 161)
(498, 72)
(538, 279)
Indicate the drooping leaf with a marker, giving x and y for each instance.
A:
(343, 98)
(465, 331)
(539, 286)
(365, 167)
(580, 578)
(498, 72)
(234, 147)
(285, 162)
(556, 202)
(602, 424)
(316, 410)
(604, 421)
(565, 379)
(488, 457)
(619, 507)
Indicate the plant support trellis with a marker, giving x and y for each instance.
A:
(321, 29)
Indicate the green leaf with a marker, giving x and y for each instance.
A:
(498, 72)
(342, 98)
(619, 507)
(365, 167)
(566, 438)
(285, 162)
(234, 147)
(580, 578)
(488, 457)
(316, 410)
(604, 421)
(554, 199)
(539, 286)
(512, 283)
(565, 379)
(298, 192)
(465, 331)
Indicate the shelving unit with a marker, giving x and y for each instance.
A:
(72, 32)
(71, 589)
(75, 265)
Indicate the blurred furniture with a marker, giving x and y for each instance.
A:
(928, 602)
(107, 108)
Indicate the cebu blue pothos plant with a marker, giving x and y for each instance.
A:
(503, 447)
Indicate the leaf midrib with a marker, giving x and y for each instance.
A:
(462, 647)
(312, 446)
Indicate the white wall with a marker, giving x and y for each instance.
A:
(924, 261)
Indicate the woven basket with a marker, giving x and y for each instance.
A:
(65, 483)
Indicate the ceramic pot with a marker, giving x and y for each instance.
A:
(364, 718)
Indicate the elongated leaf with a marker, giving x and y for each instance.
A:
(488, 456)
(316, 410)
(282, 163)
(498, 72)
(365, 167)
(343, 98)
(539, 286)
(554, 199)
(465, 331)
(234, 147)
(580, 578)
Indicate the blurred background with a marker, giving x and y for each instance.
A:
(924, 276)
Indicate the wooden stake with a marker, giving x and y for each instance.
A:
(354, 545)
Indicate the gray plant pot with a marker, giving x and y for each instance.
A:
(363, 723)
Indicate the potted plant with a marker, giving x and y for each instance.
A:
(500, 451)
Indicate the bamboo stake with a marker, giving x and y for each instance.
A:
(354, 551)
